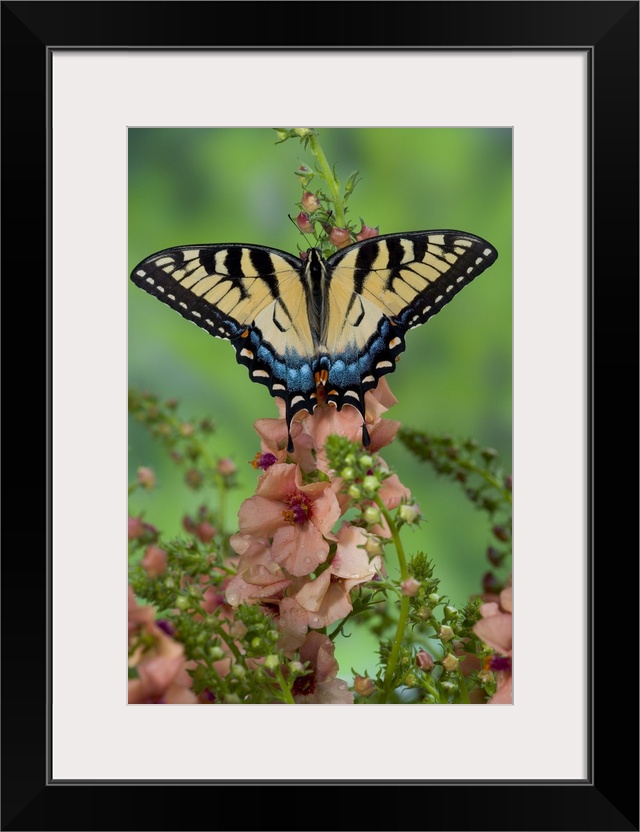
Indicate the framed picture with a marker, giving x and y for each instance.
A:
(555, 68)
(421, 178)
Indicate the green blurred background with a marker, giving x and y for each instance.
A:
(236, 185)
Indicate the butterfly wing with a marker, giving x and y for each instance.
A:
(384, 286)
(251, 295)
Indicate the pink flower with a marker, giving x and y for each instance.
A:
(259, 577)
(154, 561)
(297, 517)
(322, 601)
(158, 659)
(496, 630)
(274, 435)
(320, 686)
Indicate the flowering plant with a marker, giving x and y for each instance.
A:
(253, 614)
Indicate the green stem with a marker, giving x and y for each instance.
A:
(404, 603)
(286, 690)
(395, 536)
(332, 182)
(397, 644)
(464, 690)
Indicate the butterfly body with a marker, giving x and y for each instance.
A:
(299, 325)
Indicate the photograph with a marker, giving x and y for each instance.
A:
(344, 535)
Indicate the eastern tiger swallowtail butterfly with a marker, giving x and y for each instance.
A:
(298, 325)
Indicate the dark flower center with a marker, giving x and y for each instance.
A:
(497, 663)
(304, 685)
(299, 510)
(264, 460)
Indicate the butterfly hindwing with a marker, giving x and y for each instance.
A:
(340, 323)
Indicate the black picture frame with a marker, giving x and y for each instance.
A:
(608, 798)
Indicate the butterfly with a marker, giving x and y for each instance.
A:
(299, 325)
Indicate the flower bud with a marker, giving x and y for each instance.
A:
(136, 528)
(231, 699)
(302, 132)
(354, 492)
(371, 515)
(370, 485)
(494, 557)
(410, 587)
(146, 478)
(310, 202)
(450, 662)
(409, 513)
(366, 232)
(363, 686)
(154, 561)
(226, 467)
(339, 237)
(205, 531)
(501, 532)
(373, 546)
(490, 584)
(305, 175)
(193, 478)
(450, 612)
(302, 221)
(238, 629)
(272, 662)
(424, 660)
(446, 633)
